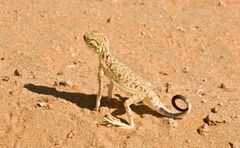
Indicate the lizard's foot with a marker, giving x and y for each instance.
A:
(115, 121)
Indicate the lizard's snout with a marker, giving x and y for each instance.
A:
(85, 37)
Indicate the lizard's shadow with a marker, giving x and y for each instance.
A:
(139, 109)
(88, 100)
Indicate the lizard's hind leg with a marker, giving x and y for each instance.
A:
(117, 122)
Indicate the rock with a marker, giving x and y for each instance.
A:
(70, 134)
(143, 33)
(203, 101)
(163, 73)
(220, 104)
(188, 141)
(76, 37)
(65, 83)
(11, 93)
(214, 119)
(179, 28)
(224, 87)
(237, 116)
(234, 144)
(57, 141)
(221, 3)
(204, 80)
(173, 123)
(185, 70)
(55, 83)
(214, 110)
(203, 130)
(109, 20)
(17, 73)
(42, 104)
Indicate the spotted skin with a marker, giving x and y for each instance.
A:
(129, 82)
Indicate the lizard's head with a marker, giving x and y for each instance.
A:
(97, 41)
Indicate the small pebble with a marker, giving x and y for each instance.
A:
(109, 20)
(222, 85)
(185, 70)
(221, 3)
(55, 83)
(214, 110)
(63, 101)
(163, 73)
(234, 144)
(203, 130)
(235, 116)
(70, 134)
(220, 104)
(214, 119)
(11, 93)
(65, 83)
(17, 73)
(204, 80)
(76, 37)
(143, 33)
(212, 142)
(42, 104)
(173, 123)
(180, 29)
(188, 141)
(57, 142)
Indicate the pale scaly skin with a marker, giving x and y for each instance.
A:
(123, 77)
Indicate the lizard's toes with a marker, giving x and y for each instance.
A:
(115, 121)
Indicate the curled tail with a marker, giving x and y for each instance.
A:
(176, 115)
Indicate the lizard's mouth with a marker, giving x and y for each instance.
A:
(85, 38)
(87, 41)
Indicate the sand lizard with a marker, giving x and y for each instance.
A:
(125, 79)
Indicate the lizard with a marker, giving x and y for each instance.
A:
(128, 81)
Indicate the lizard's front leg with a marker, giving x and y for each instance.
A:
(110, 90)
(100, 87)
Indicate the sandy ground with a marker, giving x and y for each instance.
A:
(49, 83)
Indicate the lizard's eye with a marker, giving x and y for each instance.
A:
(91, 44)
(94, 44)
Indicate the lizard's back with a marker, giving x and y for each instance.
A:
(124, 77)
